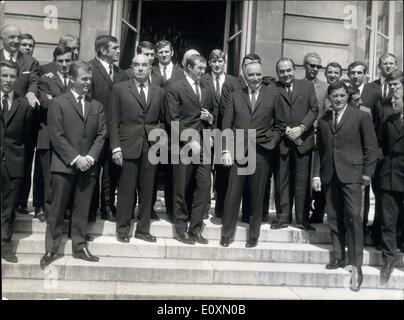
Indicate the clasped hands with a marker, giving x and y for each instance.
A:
(84, 163)
(294, 134)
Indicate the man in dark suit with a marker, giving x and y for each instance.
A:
(391, 173)
(105, 74)
(345, 161)
(252, 107)
(190, 104)
(136, 109)
(73, 165)
(165, 68)
(370, 95)
(51, 87)
(25, 86)
(27, 45)
(299, 109)
(387, 64)
(16, 132)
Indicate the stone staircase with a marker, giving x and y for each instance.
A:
(286, 264)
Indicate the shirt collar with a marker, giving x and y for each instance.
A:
(221, 76)
(10, 96)
(8, 54)
(340, 112)
(61, 76)
(360, 88)
(256, 90)
(168, 66)
(104, 64)
(138, 83)
(191, 81)
(76, 95)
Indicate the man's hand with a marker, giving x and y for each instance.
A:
(316, 184)
(206, 116)
(83, 163)
(117, 158)
(32, 99)
(226, 159)
(294, 133)
(366, 181)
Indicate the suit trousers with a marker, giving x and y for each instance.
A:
(9, 195)
(344, 214)
(166, 171)
(221, 184)
(255, 186)
(38, 190)
(44, 156)
(79, 187)
(292, 176)
(137, 174)
(393, 208)
(183, 174)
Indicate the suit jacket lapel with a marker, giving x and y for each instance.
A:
(59, 82)
(2, 55)
(103, 72)
(73, 101)
(295, 91)
(398, 126)
(191, 92)
(344, 118)
(14, 106)
(246, 97)
(330, 121)
(284, 94)
(133, 90)
(149, 96)
(260, 97)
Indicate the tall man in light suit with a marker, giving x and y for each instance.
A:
(298, 110)
(345, 160)
(136, 109)
(252, 107)
(75, 153)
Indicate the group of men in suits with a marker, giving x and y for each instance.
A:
(303, 129)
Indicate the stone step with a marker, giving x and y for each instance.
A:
(23, 289)
(164, 270)
(24, 243)
(212, 230)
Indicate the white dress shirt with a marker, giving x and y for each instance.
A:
(360, 88)
(8, 54)
(145, 88)
(60, 75)
(107, 66)
(9, 100)
(192, 83)
(169, 69)
(340, 114)
(221, 81)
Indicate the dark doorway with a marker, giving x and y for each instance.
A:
(186, 24)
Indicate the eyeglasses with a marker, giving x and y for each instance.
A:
(315, 66)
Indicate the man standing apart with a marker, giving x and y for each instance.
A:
(345, 160)
(16, 133)
(77, 132)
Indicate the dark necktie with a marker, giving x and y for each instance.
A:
(335, 120)
(253, 99)
(165, 73)
(289, 91)
(142, 94)
(197, 92)
(385, 88)
(110, 73)
(11, 58)
(79, 99)
(65, 81)
(217, 87)
(4, 108)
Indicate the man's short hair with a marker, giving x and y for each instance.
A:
(311, 55)
(162, 44)
(334, 65)
(10, 64)
(386, 55)
(191, 60)
(352, 90)
(395, 75)
(102, 41)
(27, 36)
(144, 45)
(76, 65)
(337, 85)
(68, 37)
(251, 56)
(217, 54)
(355, 64)
(61, 50)
(285, 60)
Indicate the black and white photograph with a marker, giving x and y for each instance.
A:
(204, 151)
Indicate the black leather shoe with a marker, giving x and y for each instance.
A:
(224, 241)
(314, 219)
(265, 217)
(47, 259)
(278, 225)
(22, 209)
(108, 214)
(388, 268)
(145, 236)
(89, 238)
(122, 238)
(306, 227)
(356, 278)
(206, 215)
(40, 217)
(185, 238)
(9, 256)
(154, 215)
(335, 264)
(251, 243)
(218, 214)
(84, 254)
(245, 219)
(198, 238)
